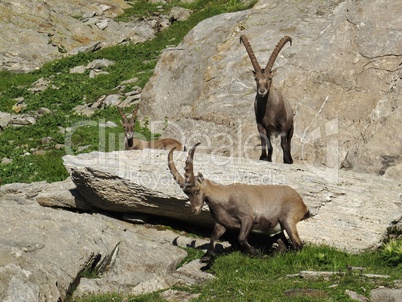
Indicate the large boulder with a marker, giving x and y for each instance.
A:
(47, 254)
(35, 32)
(353, 210)
(341, 74)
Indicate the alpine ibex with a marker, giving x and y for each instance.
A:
(267, 209)
(273, 113)
(131, 143)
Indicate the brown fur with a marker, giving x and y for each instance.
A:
(266, 209)
(273, 113)
(131, 143)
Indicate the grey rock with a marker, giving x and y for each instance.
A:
(126, 83)
(345, 92)
(78, 69)
(62, 195)
(192, 273)
(46, 263)
(102, 24)
(43, 110)
(178, 13)
(86, 48)
(99, 64)
(137, 90)
(112, 100)
(6, 161)
(84, 110)
(356, 297)
(352, 210)
(43, 31)
(39, 86)
(5, 118)
(130, 101)
(22, 120)
(95, 72)
(59, 146)
(386, 295)
(99, 102)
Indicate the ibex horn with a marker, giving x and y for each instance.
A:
(189, 174)
(251, 54)
(276, 51)
(123, 116)
(172, 167)
(134, 114)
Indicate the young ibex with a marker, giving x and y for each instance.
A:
(273, 113)
(268, 209)
(131, 143)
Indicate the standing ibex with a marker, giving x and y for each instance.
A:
(273, 113)
(267, 209)
(131, 143)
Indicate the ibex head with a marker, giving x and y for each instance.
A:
(128, 124)
(263, 77)
(191, 185)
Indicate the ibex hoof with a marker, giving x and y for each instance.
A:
(206, 258)
(253, 252)
(266, 158)
(288, 161)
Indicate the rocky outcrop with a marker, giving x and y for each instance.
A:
(72, 247)
(342, 75)
(47, 253)
(35, 32)
(352, 210)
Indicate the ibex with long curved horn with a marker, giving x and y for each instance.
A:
(273, 113)
(131, 143)
(267, 209)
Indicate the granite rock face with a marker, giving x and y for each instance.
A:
(47, 253)
(353, 210)
(69, 238)
(35, 32)
(342, 75)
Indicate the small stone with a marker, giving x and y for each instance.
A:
(6, 161)
(78, 69)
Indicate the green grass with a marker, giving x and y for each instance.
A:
(244, 278)
(33, 160)
(239, 277)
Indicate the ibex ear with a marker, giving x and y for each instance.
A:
(200, 177)
(273, 71)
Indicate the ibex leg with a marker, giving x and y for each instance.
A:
(291, 229)
(283, 243)
(218, 231)
(285, 144)
(245, 230)
(265, 140)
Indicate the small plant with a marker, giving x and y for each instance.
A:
(392, 252)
